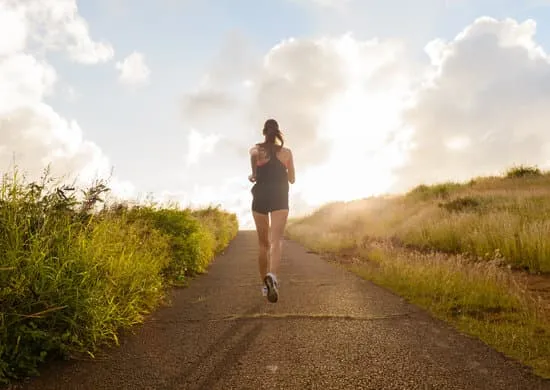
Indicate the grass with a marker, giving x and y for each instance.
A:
(505, 214)
(456, 250)
(75, 271)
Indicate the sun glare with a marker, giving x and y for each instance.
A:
(358, 124)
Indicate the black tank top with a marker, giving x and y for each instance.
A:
(272, 175)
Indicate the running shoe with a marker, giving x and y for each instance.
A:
(272, 288)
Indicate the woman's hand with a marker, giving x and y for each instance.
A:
(252, 178)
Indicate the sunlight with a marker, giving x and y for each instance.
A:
(359, 124)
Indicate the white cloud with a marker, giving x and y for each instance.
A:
(32, 134)
(360, 115)
(200, 145)
(231, 193)
(25, 81)
(133, 70)
(57, 25)
(37, 136)
(337, 101)
(15, 30)
(363, 118)
(485, 107)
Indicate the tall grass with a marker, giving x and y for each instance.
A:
(509, 215)
(451, 248)
(73, 273)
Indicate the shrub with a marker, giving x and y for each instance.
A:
(523, 171)
(437, 191)
(71, 276)
(462, 204)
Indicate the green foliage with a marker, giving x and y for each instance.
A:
(437, 191)
(462, 204)
(223, 224)
(523, 171)
(191, 247)
(73, 274)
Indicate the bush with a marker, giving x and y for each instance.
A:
(190, 245)
(436, 191)
(223, 224)
(523, 171)
(462, 204)
(71, 276)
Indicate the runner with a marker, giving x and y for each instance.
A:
(272, 169)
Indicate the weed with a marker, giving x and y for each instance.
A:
(74, 271)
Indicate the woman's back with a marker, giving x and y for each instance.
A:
(271, 168)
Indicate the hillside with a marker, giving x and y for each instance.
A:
(476, 254)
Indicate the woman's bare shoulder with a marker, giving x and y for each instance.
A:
(254, 149)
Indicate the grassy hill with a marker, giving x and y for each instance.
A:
(476, 254)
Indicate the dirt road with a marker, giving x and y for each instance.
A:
(329, 330)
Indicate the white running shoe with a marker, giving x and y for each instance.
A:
(272, 288)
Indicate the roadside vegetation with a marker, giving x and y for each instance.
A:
(476, 254)
(75, 270)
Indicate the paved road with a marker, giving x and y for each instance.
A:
(329, 330)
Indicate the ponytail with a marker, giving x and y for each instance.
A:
(272, 133)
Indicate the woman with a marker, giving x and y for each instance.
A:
(272, 170)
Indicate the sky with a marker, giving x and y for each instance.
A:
(165, 98)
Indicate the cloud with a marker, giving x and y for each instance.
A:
(295, 85)
(38, 136)
(217, 97)
(32, 134)
(207, 103)
(231, 193)
(25, 81)
(337, 101)
(297, 82)
(329, 92)
(483, 106)
(133, 70)
(364, 118)
(200, 145)
(15, 30)
(57, 26)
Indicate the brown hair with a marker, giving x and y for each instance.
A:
(272, 133)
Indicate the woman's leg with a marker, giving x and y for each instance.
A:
(278, 224)
(262, 228)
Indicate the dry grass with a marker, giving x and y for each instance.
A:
(508, 216)
(454, 249)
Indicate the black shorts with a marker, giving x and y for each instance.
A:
(265, 201)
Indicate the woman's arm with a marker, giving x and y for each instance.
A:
(253, 163)
(290, 168)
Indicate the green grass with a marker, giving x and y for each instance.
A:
(74, 271)
(452, 248)
(479, 299)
